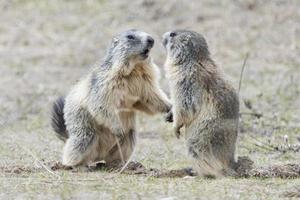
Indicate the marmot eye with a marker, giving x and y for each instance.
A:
(172, 34)
(130, 37)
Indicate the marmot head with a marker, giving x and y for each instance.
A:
(129, 48)
(185, 46)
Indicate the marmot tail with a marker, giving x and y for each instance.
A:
(57, 119)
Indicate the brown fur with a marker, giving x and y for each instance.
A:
(100, 111)
(204, 103)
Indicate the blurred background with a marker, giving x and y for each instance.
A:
(45, 46)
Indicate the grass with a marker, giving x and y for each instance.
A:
(105, 185)
(45, 46)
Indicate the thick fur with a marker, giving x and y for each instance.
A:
(100, 110)
(204, 103)
(57, 119)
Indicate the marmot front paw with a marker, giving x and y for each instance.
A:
(177, 131)
(169, 116)
(119, 132)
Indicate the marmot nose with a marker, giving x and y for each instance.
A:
(150, 41)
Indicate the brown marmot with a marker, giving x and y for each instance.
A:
(205, 104)
(97, 117)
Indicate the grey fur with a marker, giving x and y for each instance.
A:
(57, 119)
(205, 104)
(100, 110)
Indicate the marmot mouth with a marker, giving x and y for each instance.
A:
(164, 42)
(145, 52)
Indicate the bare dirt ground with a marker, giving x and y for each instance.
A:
(45, 46)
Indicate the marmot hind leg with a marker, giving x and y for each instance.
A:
(82, 145)
(80, 151)
(120, 153)
(211, 147)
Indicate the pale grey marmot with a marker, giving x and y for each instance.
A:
(97, 118)
(204, 103)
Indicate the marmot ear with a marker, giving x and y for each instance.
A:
(115, 41)
(187, 39)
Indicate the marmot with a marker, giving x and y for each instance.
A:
(203, 102)
(97, 117)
